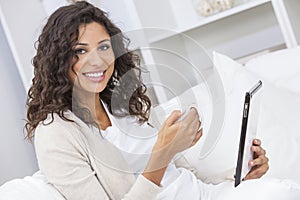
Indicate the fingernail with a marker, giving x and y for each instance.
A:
(251, 163)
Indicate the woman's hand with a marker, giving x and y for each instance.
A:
(260, 162)
(176, 136)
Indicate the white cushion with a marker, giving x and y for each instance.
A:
(278, 126)
(280, 122)
(33, 187)
(282, 68)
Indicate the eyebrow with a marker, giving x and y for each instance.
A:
(84, 44)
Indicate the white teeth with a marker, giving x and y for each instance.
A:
(98, 74)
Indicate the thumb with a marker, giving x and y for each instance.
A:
(175, 115)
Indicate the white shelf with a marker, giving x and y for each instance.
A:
(285, 23)
(206, 20)
(292, 8)
(245, 29)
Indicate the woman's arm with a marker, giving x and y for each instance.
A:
(173, 138)
(67, 167)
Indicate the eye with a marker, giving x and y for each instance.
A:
(104, 47)
(80, 51)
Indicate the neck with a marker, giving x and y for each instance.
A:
(92, 102)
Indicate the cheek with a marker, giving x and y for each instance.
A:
(73, 71)
(72, 75)
(111, 69)
(76, 68)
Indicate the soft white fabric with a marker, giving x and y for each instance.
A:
(281, 68)
(278, 127)
(37, 188)
(280, 122)
(29, 188)
(258, 189)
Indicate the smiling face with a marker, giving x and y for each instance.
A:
(95, 63)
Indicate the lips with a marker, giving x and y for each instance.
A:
(95, 76)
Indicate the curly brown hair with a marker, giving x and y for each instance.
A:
(51, 90)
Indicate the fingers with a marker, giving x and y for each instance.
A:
(174, 116)
(197, 137)
(260, 160)
(193, 118)
(198, 125)
(197, 130)
(259, 155)
(258, 150)
(191, 121)
(256, 142)
(259, 165)
(257, 172)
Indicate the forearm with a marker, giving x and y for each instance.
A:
(155, 176)
(157, 165)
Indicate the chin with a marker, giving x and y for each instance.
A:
(98, 88)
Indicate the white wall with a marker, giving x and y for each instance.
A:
(17, 157)
(22, 21)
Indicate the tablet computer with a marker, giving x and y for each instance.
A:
(248, 132)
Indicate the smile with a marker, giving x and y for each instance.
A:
(95, 76)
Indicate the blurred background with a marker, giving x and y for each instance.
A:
(242, 30)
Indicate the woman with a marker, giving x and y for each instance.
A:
(77, 96)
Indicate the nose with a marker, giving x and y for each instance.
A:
(94, 59)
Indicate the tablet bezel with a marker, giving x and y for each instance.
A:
(246, 109)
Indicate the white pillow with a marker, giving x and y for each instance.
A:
(282, 68)
(280, 122)
(33, 187)
(278, 127)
